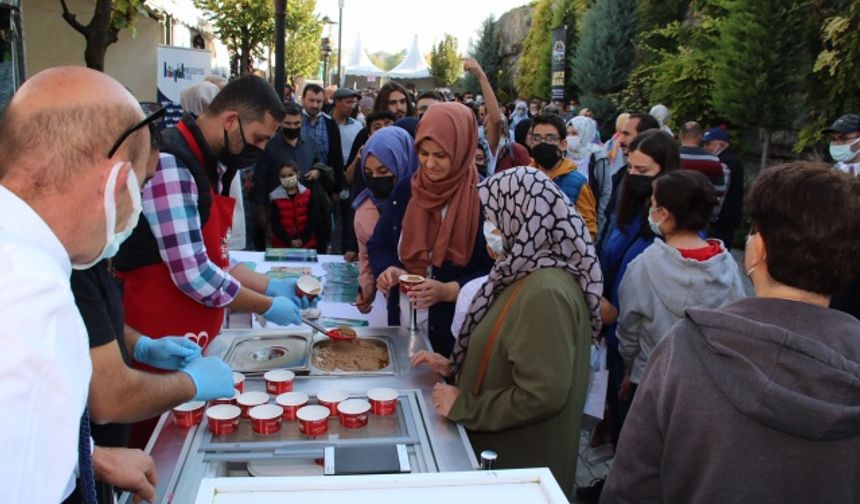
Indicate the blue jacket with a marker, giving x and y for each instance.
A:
(571, 184)
(382, 249)
(621, 247)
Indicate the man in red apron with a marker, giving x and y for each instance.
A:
(175, 266)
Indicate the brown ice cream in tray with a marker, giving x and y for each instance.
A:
(350, 355)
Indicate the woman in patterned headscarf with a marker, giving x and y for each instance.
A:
(521, 362)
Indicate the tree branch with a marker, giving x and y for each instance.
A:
(72, 19)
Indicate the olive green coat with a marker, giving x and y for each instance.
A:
(529, 407)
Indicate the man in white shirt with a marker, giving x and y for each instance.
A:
(74, 152)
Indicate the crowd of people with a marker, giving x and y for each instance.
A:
(536, 242)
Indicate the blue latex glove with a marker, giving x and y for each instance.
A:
(212, 378)
(287, 288)
(283, 312)
(170, 352)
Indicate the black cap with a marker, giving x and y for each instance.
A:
(342, 93)
(848, 123)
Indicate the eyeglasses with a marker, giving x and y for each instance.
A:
(154, 114)
(550, 139)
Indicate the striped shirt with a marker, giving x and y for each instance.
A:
(170, 207)
(849, 168)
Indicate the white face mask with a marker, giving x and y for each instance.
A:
(290, 182)
(494, 239)
(574, 150)
(113, 239)
(655, 226)
(747, 250)
(843, 153)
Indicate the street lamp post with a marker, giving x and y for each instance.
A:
(325, 49)
(280, 35)
(339, 38)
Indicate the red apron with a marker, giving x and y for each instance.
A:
(153, 304)
(155, 307)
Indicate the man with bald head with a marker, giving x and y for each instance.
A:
(75, 149)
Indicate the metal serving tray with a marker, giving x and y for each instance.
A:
(254, 355)
(390, 369)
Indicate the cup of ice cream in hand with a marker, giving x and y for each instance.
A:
(408, 282)
(308, 287)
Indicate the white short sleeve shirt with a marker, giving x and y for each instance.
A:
(44, 362)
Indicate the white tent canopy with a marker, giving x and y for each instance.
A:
(414, 66)
(359, 64)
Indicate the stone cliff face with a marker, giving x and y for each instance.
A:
(513, 26)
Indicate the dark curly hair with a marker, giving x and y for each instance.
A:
(689, 196)
(808, 216)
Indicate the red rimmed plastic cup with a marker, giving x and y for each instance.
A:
(313, 420)
(279, 381)
(189, 414)
(308, 287)
(266, 418)
(226, 400)
(238, 381)
(331, 398)
(223, 418)
(354, 413)
(291, 402)
(248, 400)
(408, 282)
(383, 401)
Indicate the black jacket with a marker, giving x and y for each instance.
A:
(733, 204)
(335, 154)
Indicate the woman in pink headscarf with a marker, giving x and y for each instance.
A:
(432, 224)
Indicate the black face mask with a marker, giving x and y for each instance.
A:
(292, 133)
(381, 187)
(482, 169)
(546, 155)
(639, 186)
(249, 155)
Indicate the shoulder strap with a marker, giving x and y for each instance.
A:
(497, 326)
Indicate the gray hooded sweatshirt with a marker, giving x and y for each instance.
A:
(656, 289)
(758, 401)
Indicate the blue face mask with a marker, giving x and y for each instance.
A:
(655, 226)
(843, 153)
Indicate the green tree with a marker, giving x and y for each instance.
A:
(605, 54)
(392, 60)
(684, 76)
(387, 61)
(759, 65)
(302, 56)
(656, 14)
(109, 18)
(834, 87)
(535, 61)
(445, 66)
(245, 26)
(486, 52)
(605, 57)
